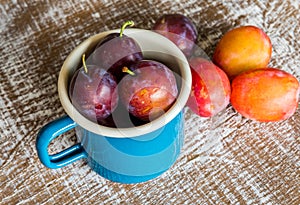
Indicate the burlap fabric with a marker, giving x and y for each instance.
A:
(225, 160)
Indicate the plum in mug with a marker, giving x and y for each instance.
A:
(130, 154)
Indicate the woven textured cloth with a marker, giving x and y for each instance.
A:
(226, 159)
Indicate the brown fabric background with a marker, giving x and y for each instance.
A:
(225, 160)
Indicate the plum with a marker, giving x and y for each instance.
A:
(115, 51)
(148, 90)
(265, 95)
(179, 29)
(210, 91)
(93, 92)
(241, 49)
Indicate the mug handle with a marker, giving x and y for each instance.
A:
(48, 133)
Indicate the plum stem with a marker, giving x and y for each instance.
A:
(84, 64)
(127, 70)
(127, 23)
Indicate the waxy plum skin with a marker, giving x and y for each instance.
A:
(150, 91)
(179, 29)
(241, 49)
(94, 93)
(114, 52)
(265, 95)
(211, 89)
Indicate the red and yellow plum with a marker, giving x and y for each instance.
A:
(210, 88)
(149, 90)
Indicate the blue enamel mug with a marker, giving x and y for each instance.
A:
(131, 154)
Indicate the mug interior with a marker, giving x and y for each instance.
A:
(155, 47)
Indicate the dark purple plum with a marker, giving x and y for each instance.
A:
(179, 29)
(115, 51)
(93, 92)
(148, 90)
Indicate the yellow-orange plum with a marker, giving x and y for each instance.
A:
(265, 95)
(241, 49)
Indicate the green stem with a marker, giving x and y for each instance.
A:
(126, 70)
(84, 64)
(127, 23)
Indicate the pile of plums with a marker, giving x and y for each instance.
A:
(116, 69)
(210, 85)
(238, 73)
